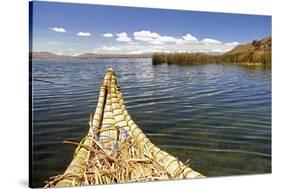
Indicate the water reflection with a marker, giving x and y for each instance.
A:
(219, 116)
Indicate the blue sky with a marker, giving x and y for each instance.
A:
(68, 28)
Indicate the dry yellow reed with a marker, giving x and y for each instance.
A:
(116, 150)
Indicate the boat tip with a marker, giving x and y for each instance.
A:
(109, 69)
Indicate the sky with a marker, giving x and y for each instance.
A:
(73, 29)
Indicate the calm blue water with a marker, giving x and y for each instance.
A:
(218, 116)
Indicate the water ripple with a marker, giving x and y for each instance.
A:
(217, 115)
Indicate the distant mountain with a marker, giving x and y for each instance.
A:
(99, 56)
(255, 52)
(48, 56)
(86, 56)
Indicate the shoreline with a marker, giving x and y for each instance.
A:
(246, 58)
(252, 64)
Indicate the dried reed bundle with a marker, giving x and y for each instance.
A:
(116, 150)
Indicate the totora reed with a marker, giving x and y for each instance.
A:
(115, 150)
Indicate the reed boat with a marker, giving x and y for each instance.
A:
(115, 150)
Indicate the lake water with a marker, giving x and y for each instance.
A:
(218, 116)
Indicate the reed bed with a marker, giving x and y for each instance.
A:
(257, 52)
(263, 58)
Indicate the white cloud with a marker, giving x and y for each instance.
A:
(110, 48)
(144, 47)
(167, 39)
(128, 48)
(218, 50)
(145, 35)
(153, 38)
(163, 40)
(156, 42)
(210, 41)
(54, 42)
(108, 35)
(123, 37)
(189, 38)
(83, 34)
(123, 34)
(57, 29)
(235, 43)
(145, 41)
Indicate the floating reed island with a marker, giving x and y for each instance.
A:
(115, 150)
(258, 52)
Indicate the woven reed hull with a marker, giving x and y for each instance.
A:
(107, 126)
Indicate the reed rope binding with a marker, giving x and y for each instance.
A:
(115, 150)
